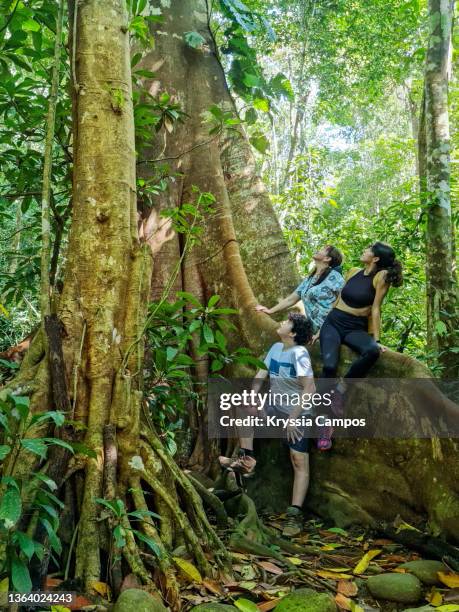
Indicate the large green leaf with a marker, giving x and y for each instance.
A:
(20, 576)
(10, 507)
(245, 605)
(30, 25)
(36, 446)
(54, 540)
(4, 450)
(26, 544)
(260, 142)
(56, 416)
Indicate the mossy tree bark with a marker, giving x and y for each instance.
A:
(435, 147)
(244, 259)
(102, 310)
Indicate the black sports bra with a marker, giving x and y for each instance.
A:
(359, 291)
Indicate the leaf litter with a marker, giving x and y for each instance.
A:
(345, 560)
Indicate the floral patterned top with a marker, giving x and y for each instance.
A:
(318, 299)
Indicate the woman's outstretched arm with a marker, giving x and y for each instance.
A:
(289, 301)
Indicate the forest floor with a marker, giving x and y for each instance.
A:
(348, 560)
(352, 570)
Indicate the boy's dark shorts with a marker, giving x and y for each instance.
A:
(301, 446)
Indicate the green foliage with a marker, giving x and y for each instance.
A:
(140, 19)
(21, 497)
(153, 112)
(260, 142)
(220, 120)
(354, 52)
(248, 80)
(175, 331)
(121, 521)
(26, 52)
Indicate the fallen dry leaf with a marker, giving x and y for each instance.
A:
(234, 587)
(248, 585)
(278, 526)
(342, 601)
(188, 569)
(295, 560)
(102, 588)
(268, 605)
(303, 538)
(237, 555)
(395, 559)
(79, 602)
(270, 567)
(451, 580)
(365, 560)
(51, 583)
(347, 588)
(332, 575)
(248, 572)
(213, 586)
(434, 597)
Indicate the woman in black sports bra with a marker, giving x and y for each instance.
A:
(355, 319)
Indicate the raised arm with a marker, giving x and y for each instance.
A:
(289, 301)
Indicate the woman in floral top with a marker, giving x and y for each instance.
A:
(318, 291)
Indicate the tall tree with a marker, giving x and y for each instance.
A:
(102, 312)
(434, 154)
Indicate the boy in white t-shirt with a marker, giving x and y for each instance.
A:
(290, 372)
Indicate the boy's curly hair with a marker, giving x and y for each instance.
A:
(301, 327)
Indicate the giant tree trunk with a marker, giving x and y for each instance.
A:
(244, 259)
(243, 246)
(102, 311)
(442, 306)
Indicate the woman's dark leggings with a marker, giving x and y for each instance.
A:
(343, 328)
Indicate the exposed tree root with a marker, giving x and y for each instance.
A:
(113, 474)
(211, 501)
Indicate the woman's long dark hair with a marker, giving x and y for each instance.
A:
(336, 258)
(388, 262)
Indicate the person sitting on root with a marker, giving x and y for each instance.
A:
(318, 291)
(355, 321)
(290, 372)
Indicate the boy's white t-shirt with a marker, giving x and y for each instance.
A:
(284, 367)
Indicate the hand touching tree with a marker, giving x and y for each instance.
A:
(155, 231)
